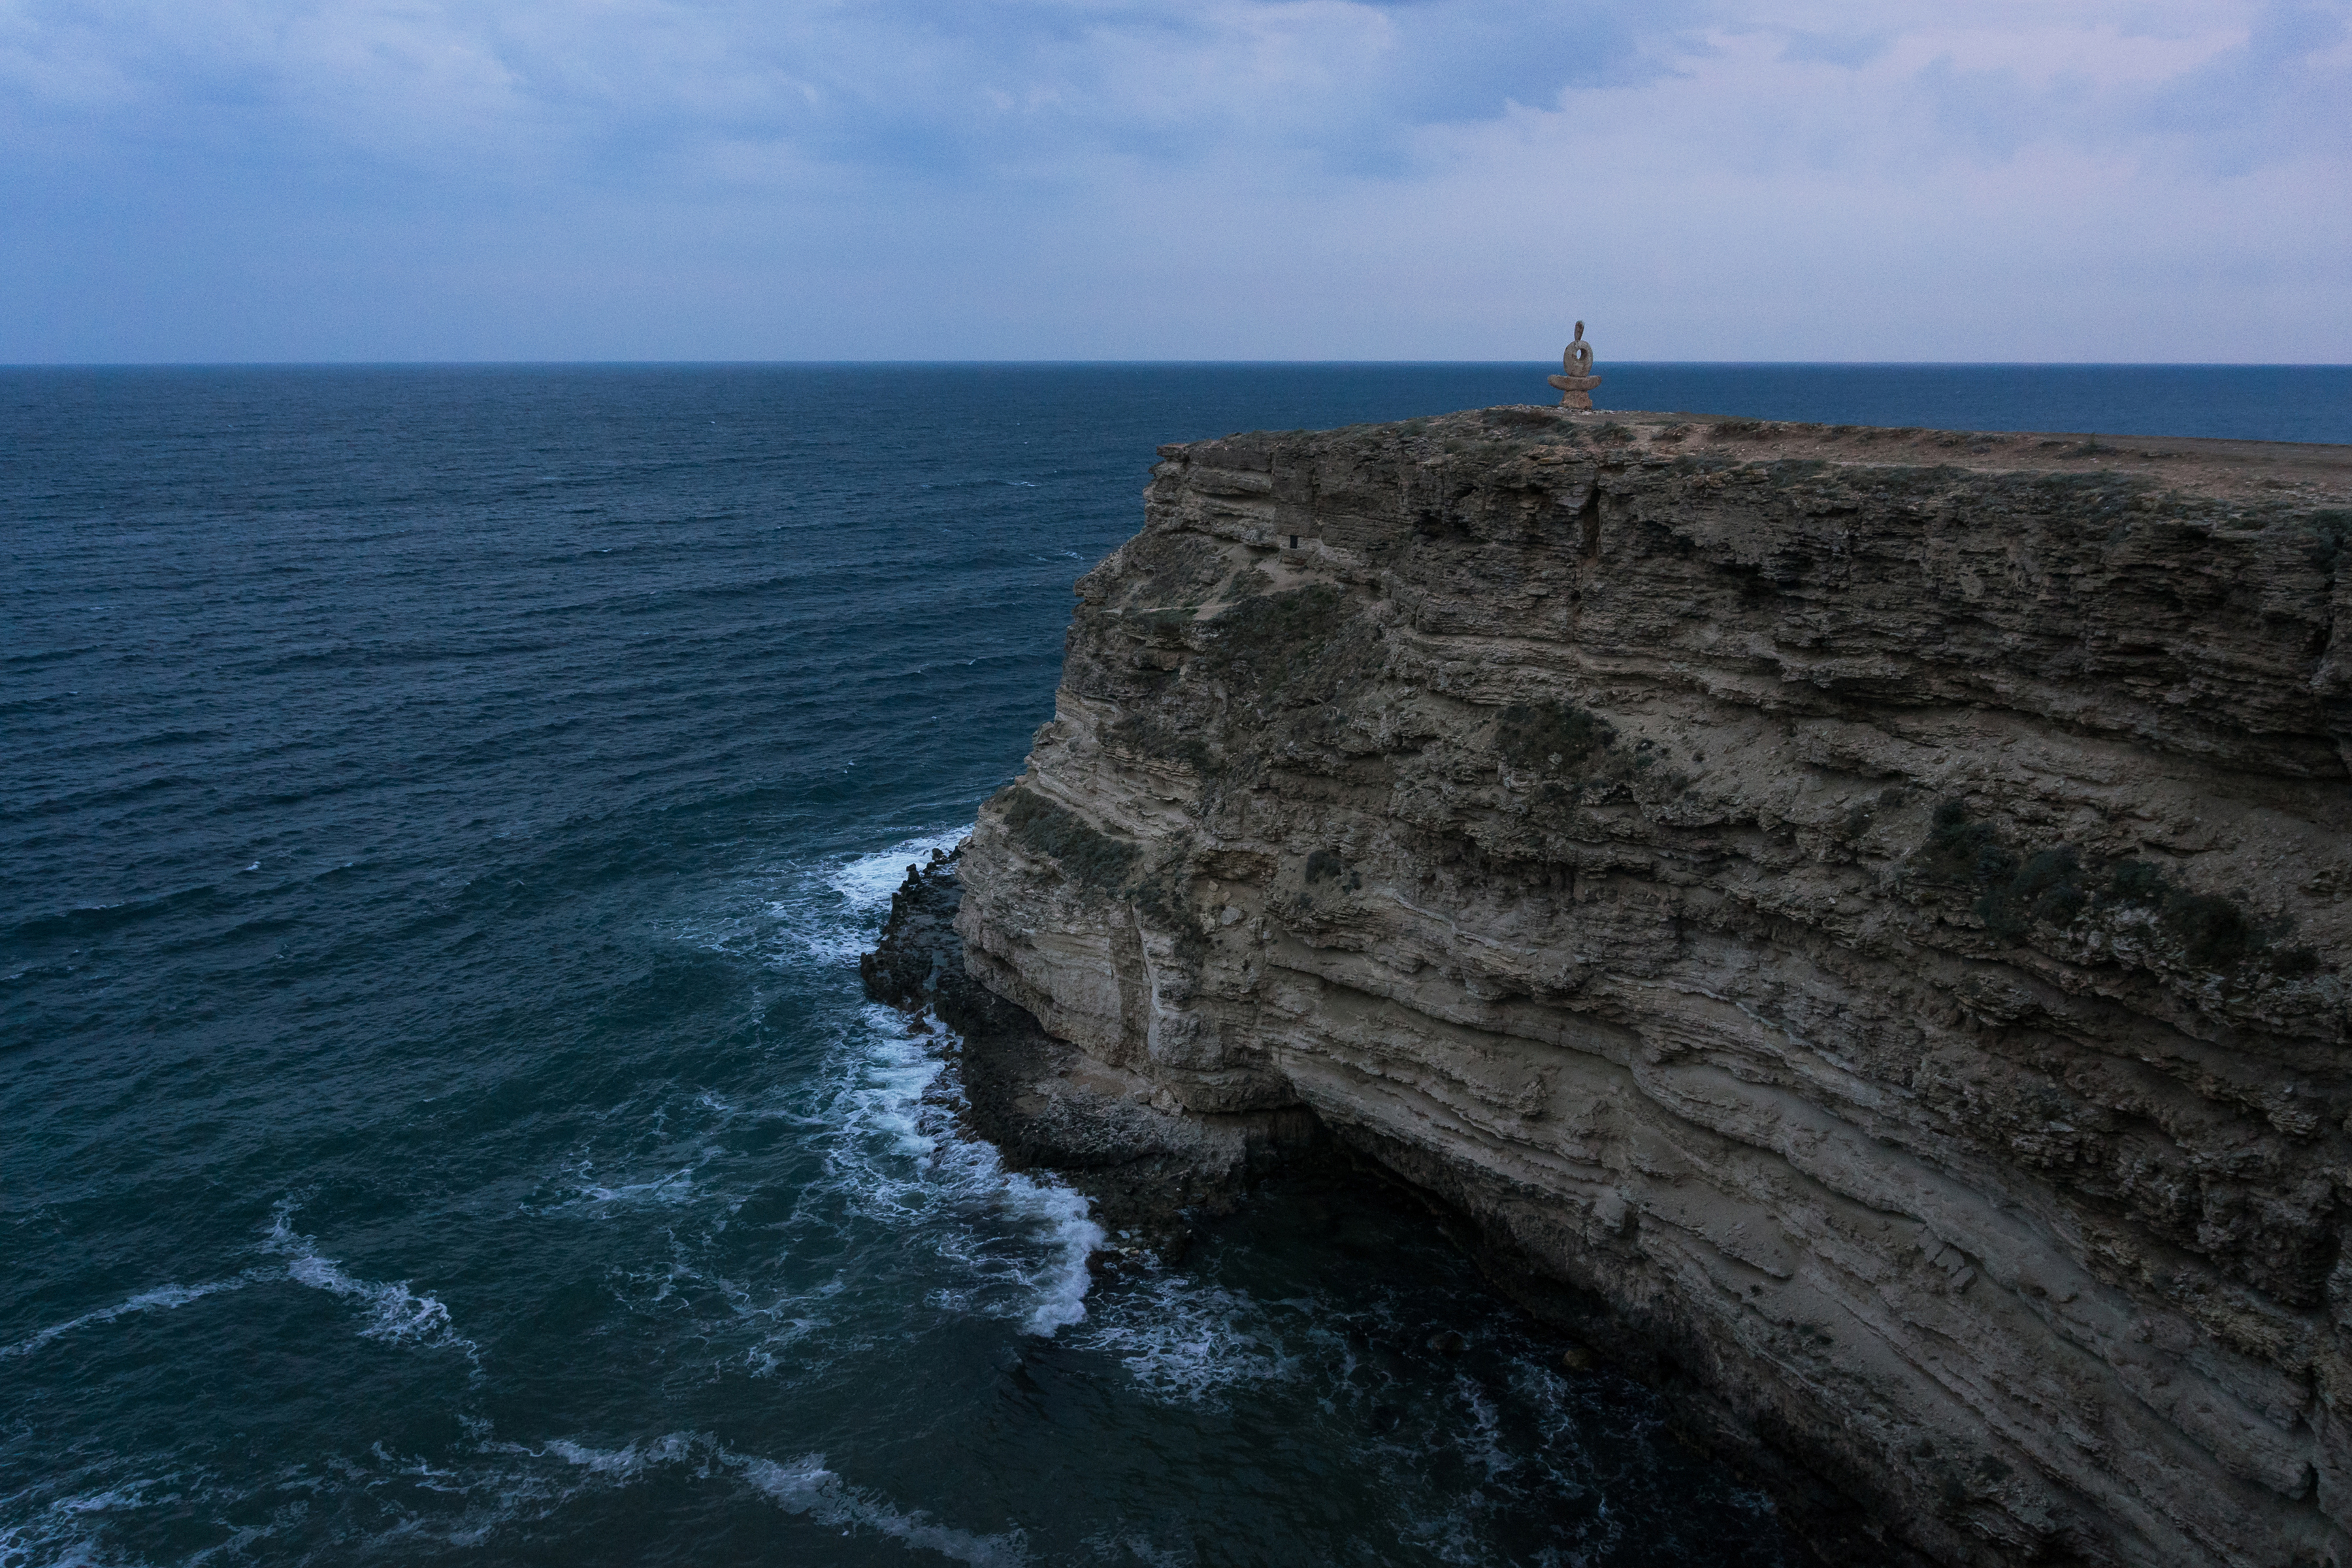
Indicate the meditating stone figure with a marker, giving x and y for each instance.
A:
(1575, 379)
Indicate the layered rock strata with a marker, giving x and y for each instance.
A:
(1859, 917)
(1153, 1169)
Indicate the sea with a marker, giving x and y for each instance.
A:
(440, 812)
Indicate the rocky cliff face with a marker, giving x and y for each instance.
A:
(1858, 917)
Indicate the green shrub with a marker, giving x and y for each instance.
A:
(1959, 850)
(2046, 887)
(1557, 737)
(2012, 894)
(2049, 887)
(2136, 882)
(1145, 731)
(2214, 932)
(1269, 641)
(1086, 854)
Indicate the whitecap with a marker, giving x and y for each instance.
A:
(807, 1487)
(61, 1534)
(825, 911)
(867, 882)
(397, 1315)
(677, 1187)
(1186, 1344)
(625, 1463)
(162, 1298)
(803, 1487)
(1021, 1241)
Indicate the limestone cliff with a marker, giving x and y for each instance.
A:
(1858, 917)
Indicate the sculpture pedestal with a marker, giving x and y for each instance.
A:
(1576, 391)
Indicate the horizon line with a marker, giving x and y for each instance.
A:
(2207, 364)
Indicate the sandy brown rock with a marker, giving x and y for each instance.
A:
(1861, 914)
(1153, 1169)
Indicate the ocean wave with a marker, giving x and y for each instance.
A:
(823, 913)
(97, 920)
(867, 882)
(480, 1493)
(977, 482)
(881, 1109)
(1108, 1545)
(490, 1487)
(625, 1463)
(162, 1298)
(674, 1188)
(1021, 1242)
(1184, 1342)
(803, 1487)
(807, 1487)
(62, 1533)
(396, 1314)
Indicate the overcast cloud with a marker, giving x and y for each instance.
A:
(1699, 179)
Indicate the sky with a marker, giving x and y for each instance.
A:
(1972, 180)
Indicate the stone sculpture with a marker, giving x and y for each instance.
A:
(1575, 379)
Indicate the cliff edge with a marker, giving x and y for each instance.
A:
(1858, 918)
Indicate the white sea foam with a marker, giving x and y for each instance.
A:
(807, 1487)
(1480, 1439)
(823, 913)
(162, 1298)
(396, 1314)
(867, 882)
(61, 1532)
(1186, 1342)
(1023, 1241)
(887, 1098)
(1062, 1284)
(625, 1463)
(677, 1187)
(803, 1487)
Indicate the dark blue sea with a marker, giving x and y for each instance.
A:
(440, 814)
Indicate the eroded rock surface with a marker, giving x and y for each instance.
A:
(1153, 1169)
(1859, 916)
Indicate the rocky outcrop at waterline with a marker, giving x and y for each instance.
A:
(1153, 1169)
(1858, 918)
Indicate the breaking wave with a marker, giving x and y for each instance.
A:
(891, 1096)
(162, 1298)
(395, 1314)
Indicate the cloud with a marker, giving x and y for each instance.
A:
(918, 85)
(322, 178)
